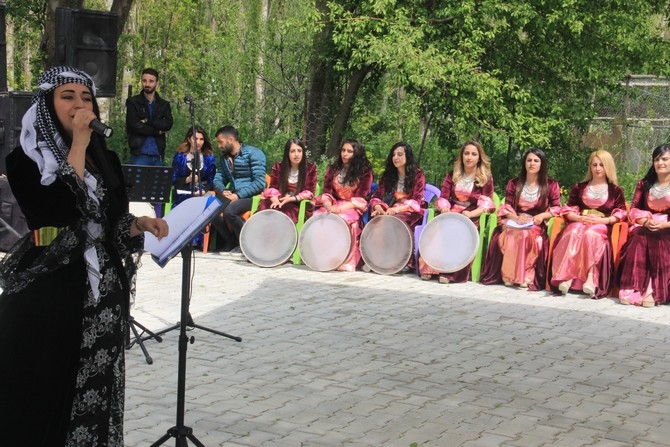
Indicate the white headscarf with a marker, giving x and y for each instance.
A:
(42, 142)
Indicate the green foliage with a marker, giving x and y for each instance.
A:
(511, 74)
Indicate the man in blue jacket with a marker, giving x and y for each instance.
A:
(240, 175)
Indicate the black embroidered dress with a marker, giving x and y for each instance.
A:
(62, 348)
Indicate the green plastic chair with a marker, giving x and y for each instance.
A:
(296, 259)
(487, 223)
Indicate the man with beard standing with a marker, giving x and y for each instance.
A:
(148, 118)
(240, 175)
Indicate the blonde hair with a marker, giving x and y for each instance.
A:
(483, 170)
(608, 164)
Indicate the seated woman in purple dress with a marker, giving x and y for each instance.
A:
(467, 190)
(644, 271)
(184, 179)
(292, 180)
(347, 182)
(517, 253)
(401, 187)
(582, 255)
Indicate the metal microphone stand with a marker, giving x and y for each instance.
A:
(187, 320)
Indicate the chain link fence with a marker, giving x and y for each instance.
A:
(633, 121)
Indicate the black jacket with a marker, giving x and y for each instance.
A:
(137, 131)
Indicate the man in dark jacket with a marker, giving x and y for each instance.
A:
(240, 175)
(148, 118)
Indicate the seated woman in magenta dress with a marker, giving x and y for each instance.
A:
(467, 190)
(582, 256)
(182, 178)
(292, 180)
(347, 182)
(401, 187)
(517, 253)
(644, 271)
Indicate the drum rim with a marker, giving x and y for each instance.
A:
(470, 258)
(310, 222)
(273, 263)
(371, 265)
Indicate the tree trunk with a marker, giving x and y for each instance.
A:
(342, 118)
(122, 8)
(260, 61)
(320, 94)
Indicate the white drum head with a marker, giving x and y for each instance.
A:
(324, 242)
(449, 242)
(386, 244)
(268, 238)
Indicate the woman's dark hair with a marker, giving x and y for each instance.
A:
(185, 145)
(390, 176)
(285, 167)
(357, 166)
(542, 178)
(652, 177)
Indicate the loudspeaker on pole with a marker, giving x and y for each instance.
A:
(87, 40)
(13, 106)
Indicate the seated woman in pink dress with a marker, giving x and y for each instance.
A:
(467, 190)
(292, 180)
(582, 256)
(347, 183)
(401, 187)
(518, 247)
(644, 271)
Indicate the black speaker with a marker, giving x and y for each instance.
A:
(87, 40)
(3, 50)
(13, 106)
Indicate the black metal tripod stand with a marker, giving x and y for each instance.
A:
(145, 184)
(180, 431)
(133, 325)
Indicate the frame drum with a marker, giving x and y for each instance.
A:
(449, 242)
(386, 244)
(268, 238)
(324, 242)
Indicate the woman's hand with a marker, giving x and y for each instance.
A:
(157, 227)
(377, 211)
(538, 219)
(652, 225)
(523, 219)
(276, 203)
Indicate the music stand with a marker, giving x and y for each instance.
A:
(146, 184)
(180, 431)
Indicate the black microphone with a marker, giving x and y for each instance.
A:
(100, 128)
(188, 99)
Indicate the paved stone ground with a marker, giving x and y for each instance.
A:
(360, 359)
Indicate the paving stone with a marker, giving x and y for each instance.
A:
(337, 359)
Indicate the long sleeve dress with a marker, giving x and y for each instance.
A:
(62, 369)
(398, 196)
(339, 194)
(183, 168)
(520, 255)
(458, 197)
(291, 209)
(644, 269)
(580, 247)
